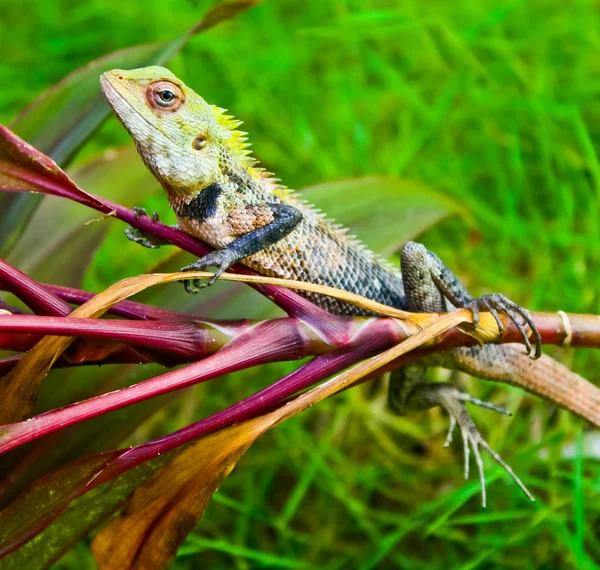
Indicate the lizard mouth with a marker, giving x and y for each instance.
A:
(110, 91)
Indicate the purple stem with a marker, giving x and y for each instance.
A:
(183, 340)
(365, 344)
(36, 297)
(53, 299)
(126, 309)
(268, 341)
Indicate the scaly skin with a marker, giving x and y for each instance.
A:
(219, 194)
(223, 198)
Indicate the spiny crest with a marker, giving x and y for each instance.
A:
(237, 141)
(238, 145)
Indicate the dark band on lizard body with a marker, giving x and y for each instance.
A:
(203, 205)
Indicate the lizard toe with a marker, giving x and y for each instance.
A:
(514, 313)
(211, 259)
(139, 236)
(193, 286)
(453, 401)
(140, 212)
(496, 303)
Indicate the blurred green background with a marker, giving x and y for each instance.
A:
(496, 105)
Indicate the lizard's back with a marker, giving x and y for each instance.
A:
(316, 251)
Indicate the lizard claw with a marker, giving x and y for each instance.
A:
(139, 236)
(495, 303)
(452, 400)
(140, 212)
(220, 258)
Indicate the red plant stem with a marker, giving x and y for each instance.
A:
(365, 344)
(58, 297)
(184, 340)
(269, 341)
(195, 338)
(126, 309)
(36, 297)
(46, 301)
(180, 346)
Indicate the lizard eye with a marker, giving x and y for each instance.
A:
(164, 96)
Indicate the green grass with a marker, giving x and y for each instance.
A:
(495, 103)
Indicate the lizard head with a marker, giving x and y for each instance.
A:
(184, 141)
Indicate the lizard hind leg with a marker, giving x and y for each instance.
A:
(429, 283)
(425, 396)
(429, 286)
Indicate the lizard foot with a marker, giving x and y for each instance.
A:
(141, 212)
(139, 236)
(496, 302)
(453, 401)
(221, 258)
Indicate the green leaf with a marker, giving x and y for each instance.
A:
(60, 120)
(80, 517)
(383, 212)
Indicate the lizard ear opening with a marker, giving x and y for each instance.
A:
(199, 142)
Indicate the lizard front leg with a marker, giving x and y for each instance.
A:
(272, 222)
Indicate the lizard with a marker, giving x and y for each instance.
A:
(222, 197)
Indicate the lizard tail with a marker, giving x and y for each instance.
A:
(544, 377)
